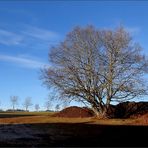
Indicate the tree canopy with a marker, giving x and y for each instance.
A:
(97, 67)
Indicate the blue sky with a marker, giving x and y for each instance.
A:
(29, 29)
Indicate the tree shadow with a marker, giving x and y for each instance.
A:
(74, 135)
(127, 109)
(11, 115)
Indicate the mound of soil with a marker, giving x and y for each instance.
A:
(121, 110)
(75, 112)
(145, 116)
(131, 109)
(141, 119)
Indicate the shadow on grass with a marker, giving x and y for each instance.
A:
(77, 134)
(11, 115)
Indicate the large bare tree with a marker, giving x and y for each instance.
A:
(97, 67)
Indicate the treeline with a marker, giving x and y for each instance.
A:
(27, 105)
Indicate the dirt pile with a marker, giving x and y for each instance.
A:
(144, 117)
(121, 110)
(141, 119)
(131, 109)
(75, 112)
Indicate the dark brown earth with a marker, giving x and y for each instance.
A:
(131, 109)
(121, 110)
(75, 112)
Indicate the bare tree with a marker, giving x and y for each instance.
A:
(48, 105)
(0, 105)
(37, 107)
(27, 103)
(48, 102)
(97, 67)
(14, 101)
(57, 107)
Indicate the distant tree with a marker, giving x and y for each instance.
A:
(48, 105)
(37, 107)
(0, 105)
(97, 67)
(48, 102)
(14, 101)
(27, 103)
(57, 107)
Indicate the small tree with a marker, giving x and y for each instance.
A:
(37, 107)
(48, 105)
(27, 103)
(0, 105)
(57, 107)
(14, 101)
(48, 102)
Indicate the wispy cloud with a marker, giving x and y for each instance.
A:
(23, 62)
(133, 30)
(27, 35)
(10, 38)
(40, 33)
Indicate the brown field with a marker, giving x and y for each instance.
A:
(41, 129)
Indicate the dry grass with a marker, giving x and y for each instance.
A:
(45, 117)
(25, 113)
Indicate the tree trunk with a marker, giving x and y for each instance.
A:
(100, 113)
(96, 112)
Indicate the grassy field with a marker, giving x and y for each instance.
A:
(46, 117)
(41, 129)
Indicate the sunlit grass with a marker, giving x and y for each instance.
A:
(46, 117)
(25, 113)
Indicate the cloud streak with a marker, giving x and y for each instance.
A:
(27, 35)
(133, 30)
(10, 38)
(40, 33)
(23, 62)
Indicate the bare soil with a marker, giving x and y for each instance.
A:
(75, 112)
